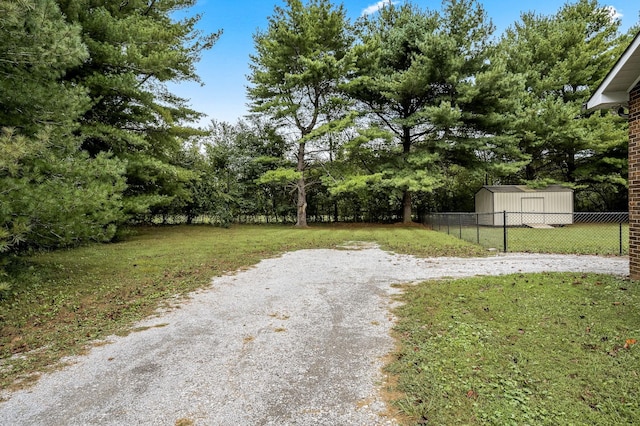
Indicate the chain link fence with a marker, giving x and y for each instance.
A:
(577, 233)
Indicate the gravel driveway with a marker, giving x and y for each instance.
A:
(295, 340)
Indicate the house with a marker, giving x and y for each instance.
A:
(552, 205)
(620, 91)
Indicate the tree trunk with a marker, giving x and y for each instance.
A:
(302, 204)
(571, 166)
(406, 198)
(302, 191)
(406, 207)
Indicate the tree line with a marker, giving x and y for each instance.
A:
(396, 114)
(416, 109)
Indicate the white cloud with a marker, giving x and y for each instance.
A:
(376, 7)
(613, 13)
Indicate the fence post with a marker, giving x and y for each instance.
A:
(620, 238)
(504, 230)
(448, 227)
(478, 227)
(460, 225)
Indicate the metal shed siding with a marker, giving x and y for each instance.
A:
(484, 204)
(553, 206)
(510, 202)
(484, 201)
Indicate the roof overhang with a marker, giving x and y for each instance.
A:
(614, 90)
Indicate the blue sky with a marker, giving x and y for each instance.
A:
(224, 68)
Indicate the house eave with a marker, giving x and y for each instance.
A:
(624, 76)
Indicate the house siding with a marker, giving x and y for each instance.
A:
(634, 183)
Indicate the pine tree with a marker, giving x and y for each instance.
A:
(51, 193)
(37, 48)
(434, 98)
(135, 48)
(563, 57)
(299, 61)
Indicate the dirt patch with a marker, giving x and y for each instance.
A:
(357, 245)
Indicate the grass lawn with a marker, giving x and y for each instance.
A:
(554, 349)
(61, 301)
(596, 238)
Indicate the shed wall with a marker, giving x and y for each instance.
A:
(484, 206)
(525, 207)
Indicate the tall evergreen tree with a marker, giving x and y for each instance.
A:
(37, 48)
(135, 47)
(563, 57)
(51, 193)
(299, 61)
(433, 95)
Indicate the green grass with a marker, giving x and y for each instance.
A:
(601, 239)
(547, 349)
(61, 301)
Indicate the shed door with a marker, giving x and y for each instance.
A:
(531, 206)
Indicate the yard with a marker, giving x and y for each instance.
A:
(532, 348)
(61, 301)
(520, 349)
(585, 238)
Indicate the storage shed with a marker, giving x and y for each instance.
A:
(552, 205)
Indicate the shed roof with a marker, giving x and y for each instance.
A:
(623, 77)
(524, 188)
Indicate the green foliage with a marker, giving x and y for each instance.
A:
(135, 48)
(520, 349)
(95, 70)
(52, 195)
(299, 61)
(283, 177)
(229, 166)
(37, 47)
(563, 57)
(356, 184)
(430, 79)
